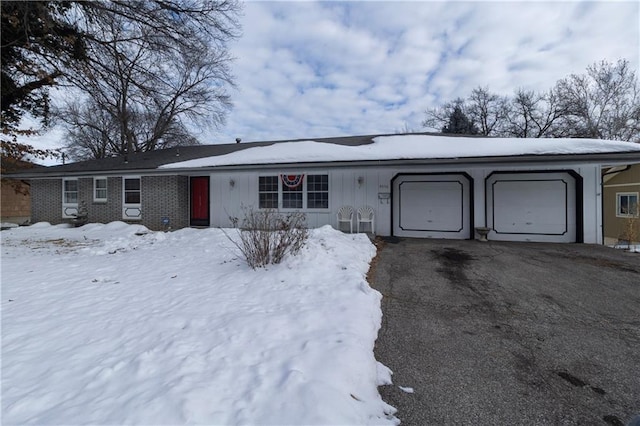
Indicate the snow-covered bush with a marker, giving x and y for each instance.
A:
(267, 236)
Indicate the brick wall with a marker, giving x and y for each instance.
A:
(162, 196)
(102, 212)
(46, 201)
(165, 196)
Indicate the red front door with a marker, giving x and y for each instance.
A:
(200, 201)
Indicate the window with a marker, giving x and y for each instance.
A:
(292, 195)
(293, 191)
(132, 190)
(318, 191)
(268, 192)
(627, 204)
(70, 191)
(99, 189)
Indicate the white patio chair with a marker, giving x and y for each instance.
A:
(345, 215)
(365, 215)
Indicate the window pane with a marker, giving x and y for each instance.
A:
(71, 197)
(269, 201)
(70, 185)
(624, 204)
(268, 192)
(268, 183)
(101, 193)
(291, 200)
(132, 184)
(101, 183)
(132, 197)
(292, 197)
(318, 191)
(318, 201)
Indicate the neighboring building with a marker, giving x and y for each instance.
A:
(15, 199)
(621, 192)
(15, 202)
(419, 185)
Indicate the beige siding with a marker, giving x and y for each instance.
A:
(618, 228)
(16, 201)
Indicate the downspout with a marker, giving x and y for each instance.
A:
(610, 172)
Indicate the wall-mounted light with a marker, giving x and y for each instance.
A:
(232, 183)
(360, 180)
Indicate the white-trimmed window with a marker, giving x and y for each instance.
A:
(69, 198)
(627, 204)
(70, 191)
(132, 198)
(100, 190)
(294, 192)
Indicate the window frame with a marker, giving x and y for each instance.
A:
(619, 212)
(97, 199)
(131, 206)
(70, 209)
(305, 192)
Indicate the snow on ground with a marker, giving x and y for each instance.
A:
(114, 324)
(401, 147)
(630, 248)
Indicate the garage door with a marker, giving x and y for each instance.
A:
(532, 207)
(432, 206)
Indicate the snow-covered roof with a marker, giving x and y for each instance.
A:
(401, 147)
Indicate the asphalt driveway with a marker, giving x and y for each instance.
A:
(509, 333)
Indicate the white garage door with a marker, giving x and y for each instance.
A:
(432, 206)
(532, 207)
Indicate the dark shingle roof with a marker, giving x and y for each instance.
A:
(153, 159)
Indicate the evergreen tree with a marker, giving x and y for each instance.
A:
(459, 123)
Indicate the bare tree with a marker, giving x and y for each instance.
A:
(155, 69)
(604, 103)
(534, 115)
(486, 110)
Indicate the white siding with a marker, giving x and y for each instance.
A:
(344, 189)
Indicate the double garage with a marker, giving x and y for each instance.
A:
(543, 206)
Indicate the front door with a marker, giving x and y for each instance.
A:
(199, 201)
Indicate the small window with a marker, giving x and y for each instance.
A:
(318, 192)
(627, 204)
(132, 190)
(70, 191)
(268, 192)
(100, 189)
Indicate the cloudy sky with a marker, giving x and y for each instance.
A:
(308, 69)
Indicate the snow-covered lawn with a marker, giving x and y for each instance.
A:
(113, 324)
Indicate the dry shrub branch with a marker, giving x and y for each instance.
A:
(267, 236)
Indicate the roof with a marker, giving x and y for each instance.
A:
(407, 148)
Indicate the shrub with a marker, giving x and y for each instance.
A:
(267, 236)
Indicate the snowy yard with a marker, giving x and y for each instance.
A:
(113, 324)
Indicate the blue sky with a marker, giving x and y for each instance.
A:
(313, 69)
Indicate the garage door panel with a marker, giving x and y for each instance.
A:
(524, 212)
(432, 206)
(532, 207)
